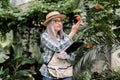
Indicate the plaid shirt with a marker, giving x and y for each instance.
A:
(50, 47)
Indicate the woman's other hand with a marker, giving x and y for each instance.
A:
(63, 55)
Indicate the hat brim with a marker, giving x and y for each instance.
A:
(62, 16)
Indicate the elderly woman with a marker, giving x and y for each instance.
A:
(54, 40)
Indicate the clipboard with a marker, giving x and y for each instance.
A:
(73, 47)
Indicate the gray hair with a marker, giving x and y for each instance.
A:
(50, 30)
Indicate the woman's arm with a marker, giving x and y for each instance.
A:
(74, 29)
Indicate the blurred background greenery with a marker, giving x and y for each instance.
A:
(21, 26)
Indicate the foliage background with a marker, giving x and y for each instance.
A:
(20, 50)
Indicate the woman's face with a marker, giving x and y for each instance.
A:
(57, 24)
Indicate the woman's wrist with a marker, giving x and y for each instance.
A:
(74, 29)
(72, 33)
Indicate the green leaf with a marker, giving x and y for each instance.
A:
(8, 41)
(24, 75)
(77, 11)
(17, 50)
(3, 57)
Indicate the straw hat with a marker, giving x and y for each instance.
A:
(53, 14)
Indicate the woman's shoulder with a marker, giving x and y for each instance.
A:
(44, 34)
